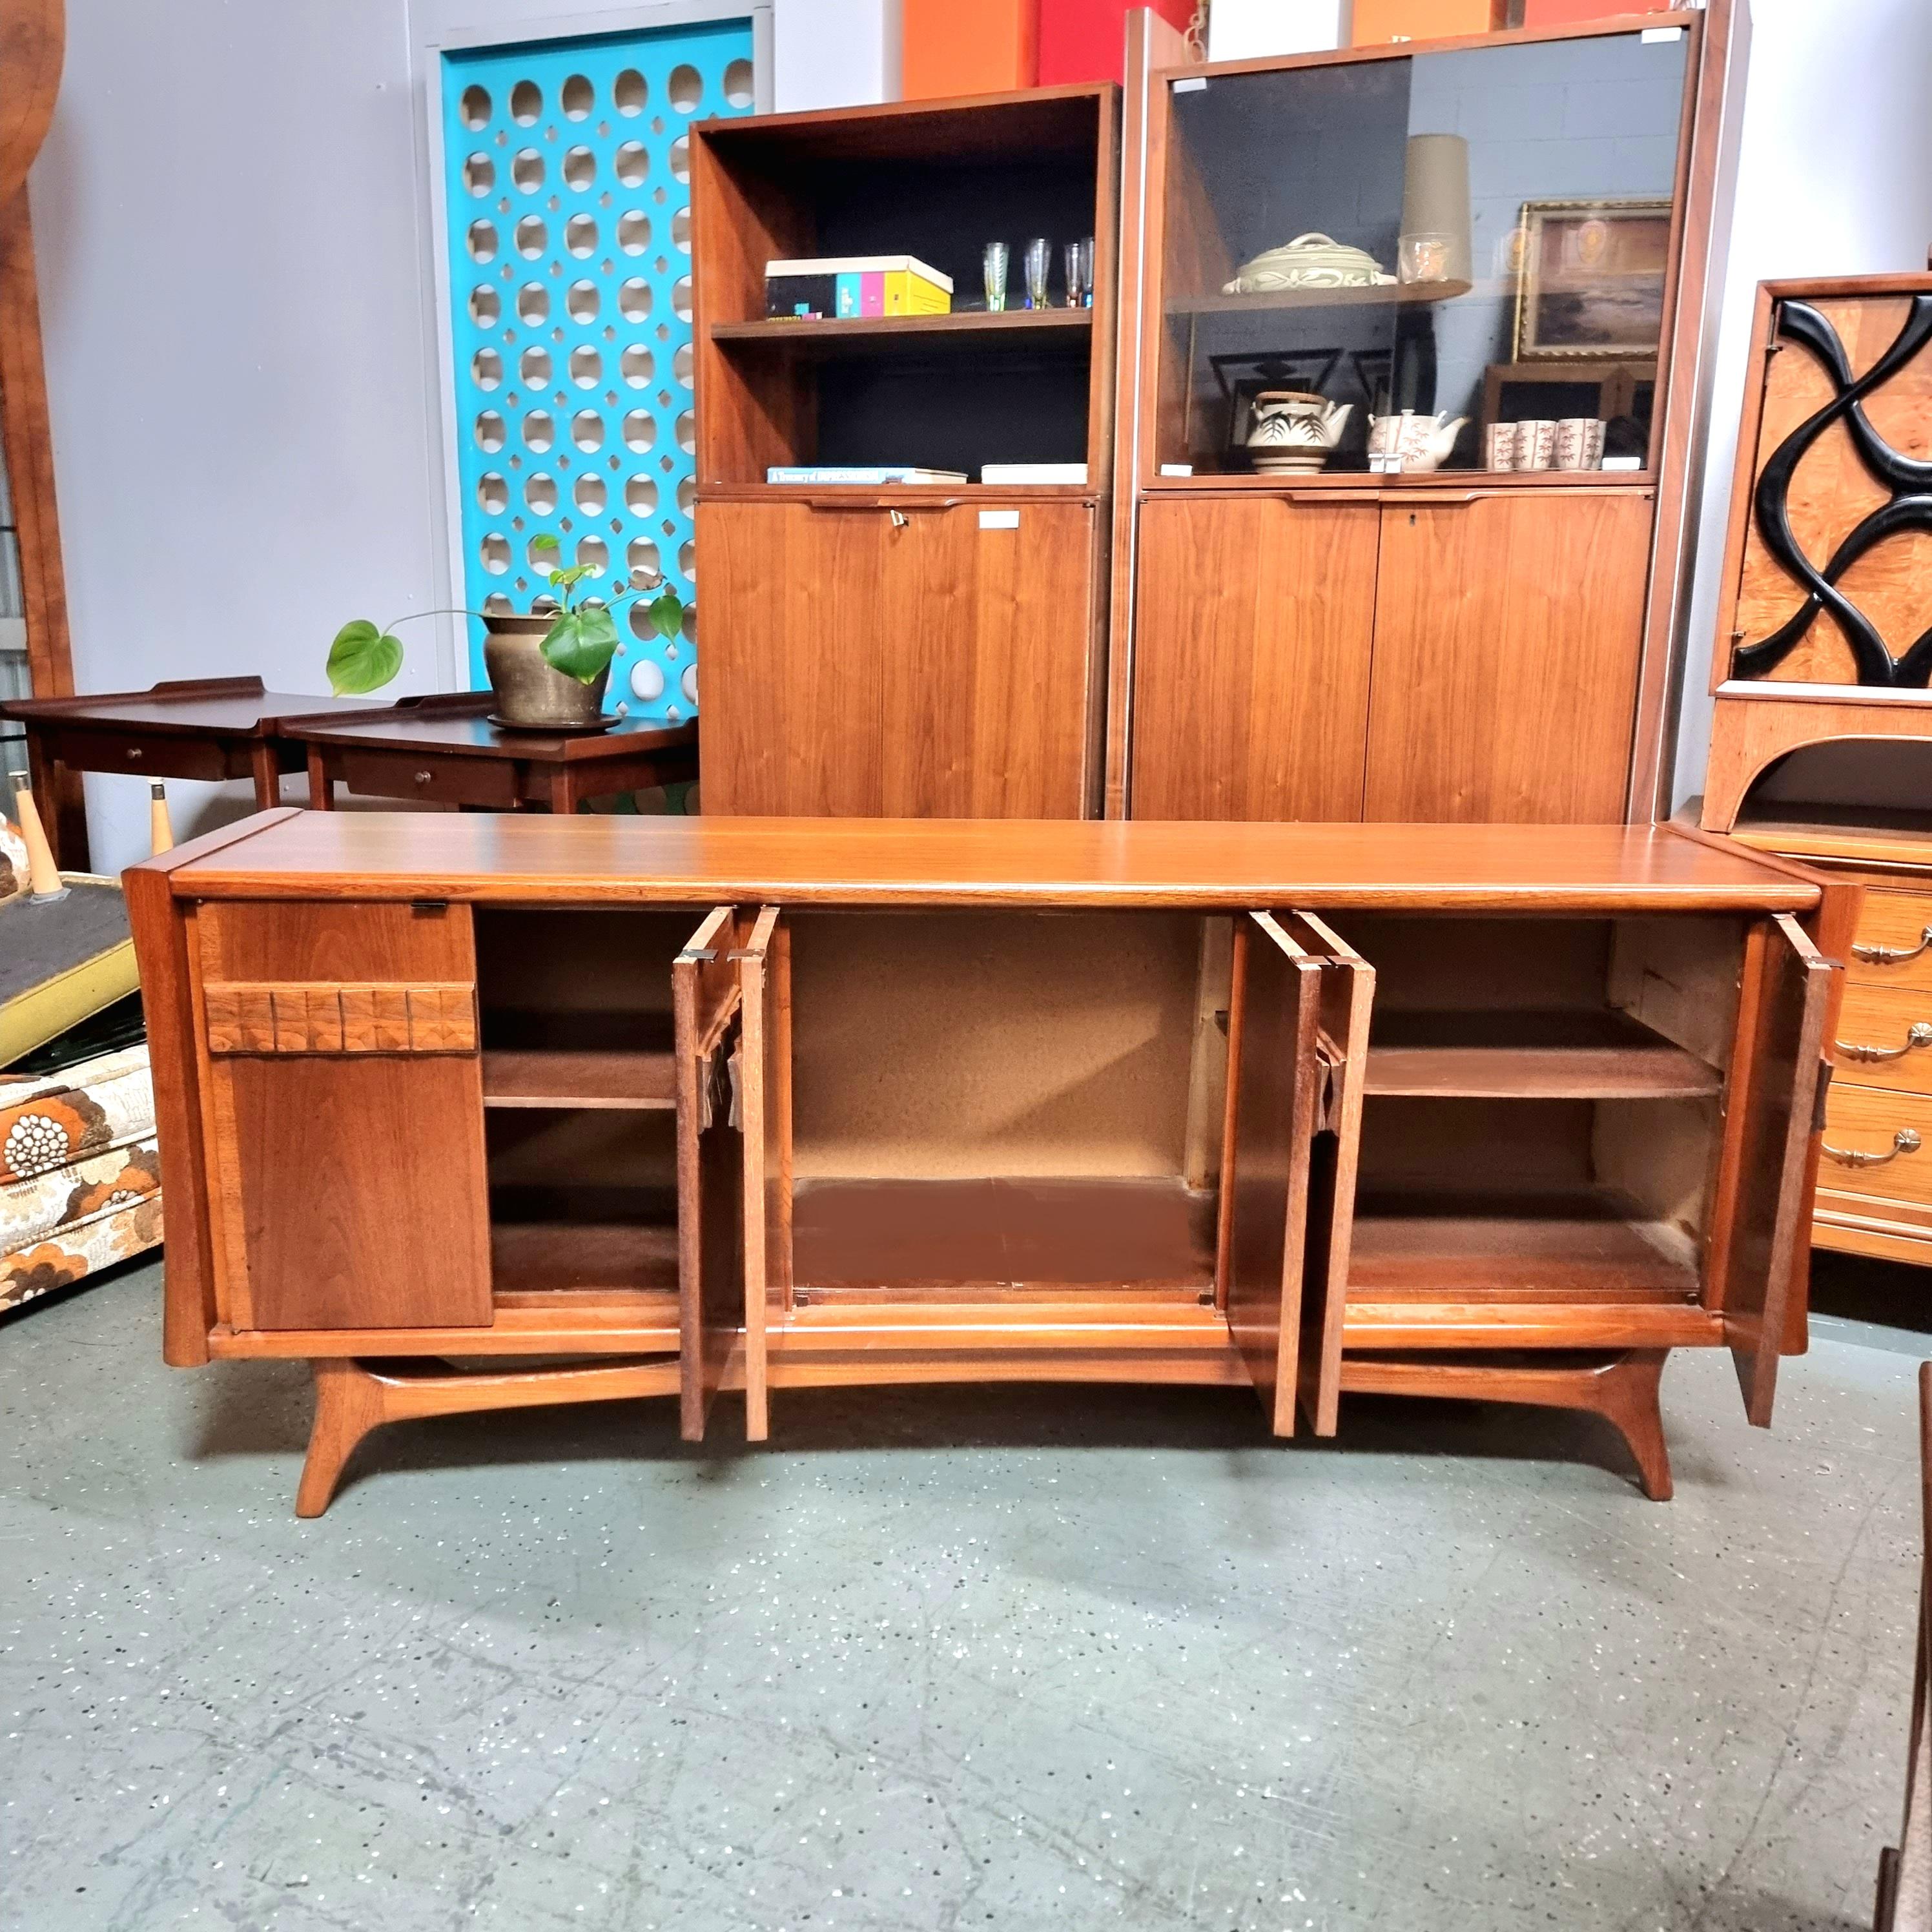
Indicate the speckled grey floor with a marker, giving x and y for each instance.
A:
(1033, 1658)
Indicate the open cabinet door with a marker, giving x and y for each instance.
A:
(1347, 994)
(764, 1092)
(1274, 1102)
(706, 1001)
(1787, 992)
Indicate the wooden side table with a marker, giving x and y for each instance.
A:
(445, 749)
(211, 728)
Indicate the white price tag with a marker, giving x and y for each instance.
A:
(999, 520)
(1661, 37)
(1177, 469)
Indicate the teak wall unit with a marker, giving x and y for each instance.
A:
(919, 650)
(759, 1104)
(1461, 644)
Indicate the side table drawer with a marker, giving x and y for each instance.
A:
(444, 781)
(1894, 945)
(1884, 1038)
(1878, 1144)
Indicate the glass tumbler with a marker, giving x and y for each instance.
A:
(1038, 260)
(994, 262)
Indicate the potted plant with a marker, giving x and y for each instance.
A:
(548, 669)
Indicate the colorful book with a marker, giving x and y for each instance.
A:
(852, 286)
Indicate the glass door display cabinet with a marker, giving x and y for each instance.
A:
(1417, 329)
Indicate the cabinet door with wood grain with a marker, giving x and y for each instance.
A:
(707, 1006)
(920, 660)
(1298, 1033)
(1508, 629)
(1761, 1241)
(1254, 620)
(345, 1115)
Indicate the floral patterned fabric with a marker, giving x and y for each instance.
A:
(79, 1180)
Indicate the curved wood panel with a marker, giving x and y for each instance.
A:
(33, 41)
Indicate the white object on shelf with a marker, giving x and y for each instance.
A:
(999, 520)
(1033, 472)
(1252, 29)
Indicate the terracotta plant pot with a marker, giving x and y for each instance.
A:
(530, 691)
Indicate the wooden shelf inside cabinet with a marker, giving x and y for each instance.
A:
(1365, 294)
(618, 1259)
(865, 335)
(912, 496)
(1579, 1243)
(548, 1077)
(1532, 1057)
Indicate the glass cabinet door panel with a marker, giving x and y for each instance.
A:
(1283, 206)
(1565, 155)
(1366, 265)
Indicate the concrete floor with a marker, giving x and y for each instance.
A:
(943, 1659)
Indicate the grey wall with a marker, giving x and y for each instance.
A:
(241, 378)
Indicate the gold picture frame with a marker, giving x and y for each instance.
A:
(1591, 280)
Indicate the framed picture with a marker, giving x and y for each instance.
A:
(1591, 279)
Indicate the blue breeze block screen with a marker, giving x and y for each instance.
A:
(567, 182)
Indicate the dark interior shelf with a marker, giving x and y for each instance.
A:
(551, 1077)
(860, 335)
(1548, 1056)
(568, 1256)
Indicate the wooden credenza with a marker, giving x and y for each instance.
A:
(757, 1105)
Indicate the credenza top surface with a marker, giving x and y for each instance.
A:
(854, 861)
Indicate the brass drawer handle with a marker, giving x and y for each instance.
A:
(1904, 1141)
(1919, 1034)
(1893, 956)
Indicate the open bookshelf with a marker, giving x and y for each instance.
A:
(951, 392)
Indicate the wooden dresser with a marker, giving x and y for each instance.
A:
(1875, 1174)
(764, 1104)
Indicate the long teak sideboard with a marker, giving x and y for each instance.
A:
(757, 1104)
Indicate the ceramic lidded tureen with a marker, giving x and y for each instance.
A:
(1309, 262)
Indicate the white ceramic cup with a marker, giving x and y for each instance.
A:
(1500, 446)
(1536, 443)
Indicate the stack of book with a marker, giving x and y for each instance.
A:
(847, 286)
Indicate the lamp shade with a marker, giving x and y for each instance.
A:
(1436, 197)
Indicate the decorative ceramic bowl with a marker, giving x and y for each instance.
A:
(1310, 261)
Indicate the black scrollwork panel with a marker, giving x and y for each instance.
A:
(1910, 507)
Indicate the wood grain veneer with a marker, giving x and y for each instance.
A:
(385, 857)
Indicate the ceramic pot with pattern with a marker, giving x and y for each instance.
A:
(531, 694)
(1294, 432)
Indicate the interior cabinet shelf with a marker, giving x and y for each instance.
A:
(1368, 294)
(1533, 1056)
(862, 335)
(1575, 1243)
(550, 1077)
(548, 1258)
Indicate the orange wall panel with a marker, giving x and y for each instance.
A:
(1377, 21)
(968, 46)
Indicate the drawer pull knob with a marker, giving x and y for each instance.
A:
(1893, 956)
(1919, 1034)
(424, 778)
(1904, 1141)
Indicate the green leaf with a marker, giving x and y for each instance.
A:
(581, 643)
(362, 658)
(667, 614)
(562, 580)
(543, 540)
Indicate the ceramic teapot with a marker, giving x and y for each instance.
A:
(1419, 443)
(1294, 432)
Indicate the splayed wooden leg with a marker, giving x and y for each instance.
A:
(353, 1397)
(1622, 1388)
